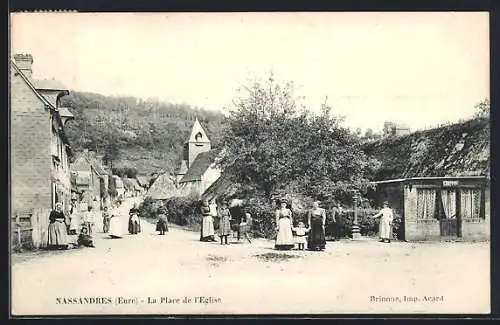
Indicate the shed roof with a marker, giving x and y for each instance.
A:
(452, 150)
(223, 186)
(443, 178)
(162, 188)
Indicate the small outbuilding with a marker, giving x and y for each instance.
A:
(436, 208)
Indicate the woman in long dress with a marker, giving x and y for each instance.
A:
(74, 220)
(225, 224)
(316, 222)
(207, 224)
(58, 236)
(115, 222)
(284, 223)
(134, 223)
(386, 217)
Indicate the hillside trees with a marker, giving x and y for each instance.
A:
(135, 133)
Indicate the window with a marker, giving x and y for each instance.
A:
(470, 203)
(426, 203)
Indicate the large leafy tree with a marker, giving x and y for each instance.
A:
(273, 145)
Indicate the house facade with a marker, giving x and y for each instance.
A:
(89, 181)
(39, 149)
(436, 208)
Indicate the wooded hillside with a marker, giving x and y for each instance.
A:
(144, 134)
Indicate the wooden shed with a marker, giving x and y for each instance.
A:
(437, 208)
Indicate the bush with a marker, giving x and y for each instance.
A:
(183, 211)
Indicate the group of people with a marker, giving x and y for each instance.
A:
(62, 226)
(311, 233)
(314, 233)
(224, 214)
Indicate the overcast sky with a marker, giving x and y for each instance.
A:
(415, 68)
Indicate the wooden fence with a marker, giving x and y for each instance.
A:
(29, 229)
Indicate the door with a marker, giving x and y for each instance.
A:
(449, 220)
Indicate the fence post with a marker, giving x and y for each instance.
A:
(19, 244)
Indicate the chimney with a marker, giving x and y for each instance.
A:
(24, 62)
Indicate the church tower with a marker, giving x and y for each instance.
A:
(197, 143)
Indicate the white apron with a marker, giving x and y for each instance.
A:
(385, 223)
(115, 224)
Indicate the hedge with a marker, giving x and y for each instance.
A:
(186, 212)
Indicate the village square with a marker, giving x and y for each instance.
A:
(121, 205)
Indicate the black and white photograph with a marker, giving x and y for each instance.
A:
(249, 163)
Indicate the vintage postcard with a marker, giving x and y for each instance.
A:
(249, 163)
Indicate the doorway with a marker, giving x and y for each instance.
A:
(449, 214)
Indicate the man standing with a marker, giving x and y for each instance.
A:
(333, 225)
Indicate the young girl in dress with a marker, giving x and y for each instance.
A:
(301, 235)
(225, 224)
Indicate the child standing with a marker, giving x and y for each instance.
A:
(301, 235)
(105, 220)
(225, 224)
(88, 220)
(162, 224)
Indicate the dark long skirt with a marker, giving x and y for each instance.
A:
(316, 239)
(161, 226)
(133, 227)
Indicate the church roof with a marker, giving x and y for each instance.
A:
(197, 128)
(198, 167)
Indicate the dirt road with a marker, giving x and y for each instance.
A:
(349, 277)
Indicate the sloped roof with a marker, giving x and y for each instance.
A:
(162, 188)
(49, 84)
(143, 180)
(136, 184)
(128, 183)
(183, 168)
(453, 150)
(47, 104)
(197, 128)
(84, 159)
(199, 167)
(64, 111)
(223, 186)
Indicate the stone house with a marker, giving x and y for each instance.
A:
(39, 149)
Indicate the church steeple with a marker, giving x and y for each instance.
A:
(197, 143)
(198, 134)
